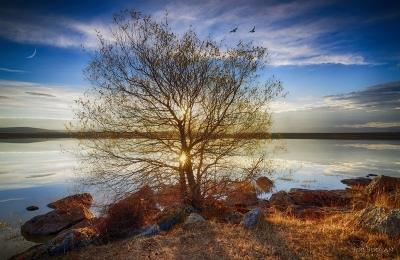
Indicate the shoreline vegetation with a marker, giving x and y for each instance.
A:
(27, 133)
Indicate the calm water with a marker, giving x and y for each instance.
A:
(35, 173)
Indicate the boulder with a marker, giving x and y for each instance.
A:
(242, 198)
(148, 231)
(264, 183)
(380, 220)
(382, 185)
(320, 198)
(55, 221)
(84, 199)
(280, 200)
(251, 218)
(32, 208)
(357, 182)
(193, 218)
(172, 215)
(65, 241)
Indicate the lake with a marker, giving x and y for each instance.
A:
(36, 172)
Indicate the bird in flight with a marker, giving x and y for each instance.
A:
(234, 30)
(253, 30)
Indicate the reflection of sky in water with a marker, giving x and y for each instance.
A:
(35, 164)
(36, 173)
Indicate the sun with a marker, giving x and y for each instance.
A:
(182, 158)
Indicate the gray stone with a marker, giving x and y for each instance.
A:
(67, 240)
(380, 220)
(251, 218)
(193, 218)
(148, 231)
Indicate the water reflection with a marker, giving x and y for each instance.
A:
(36, 173)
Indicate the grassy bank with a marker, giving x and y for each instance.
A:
(277, 236)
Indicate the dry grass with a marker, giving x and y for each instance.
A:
(277, 236)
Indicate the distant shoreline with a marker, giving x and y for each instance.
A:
(328, 136)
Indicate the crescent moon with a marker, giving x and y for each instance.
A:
(34, 53)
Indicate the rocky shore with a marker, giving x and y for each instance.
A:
(137, 215)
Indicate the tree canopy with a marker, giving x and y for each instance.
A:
(170, 108)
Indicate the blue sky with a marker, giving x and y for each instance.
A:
(339, 60)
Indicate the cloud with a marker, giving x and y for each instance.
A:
(383, 97)
(296, 33)
(372, 146)
(372, 125)
(39, 94)
(10, 70)
(40, 175)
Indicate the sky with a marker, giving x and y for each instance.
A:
(339, 60)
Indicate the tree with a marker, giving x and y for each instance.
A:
(173, 109)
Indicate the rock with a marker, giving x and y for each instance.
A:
(357, 182)
(193, 218)
(382, 185)
(251, 218)
(55, 221)
(172, 215)
(234, 217)
(371, 175)
(148, 231)
(84, 199)
(280, 200)
(242, 198)
(67, 240)
(380, 220)
(264, 183)
(320, 198)
(32, 208)
(242, 194)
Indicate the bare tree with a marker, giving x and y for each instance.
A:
(173, 109)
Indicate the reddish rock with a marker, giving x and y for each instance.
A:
(382, 185)
(357, 182)
(242, 198)
(264, 183)
(84, 199)
(280, 200)
(320, 198)
(55, 221)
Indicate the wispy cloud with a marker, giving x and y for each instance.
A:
(14, 71)
(384, 96)
(39, 94)
(372, 125)
(372, 146)
(294, 32)
(40, 175)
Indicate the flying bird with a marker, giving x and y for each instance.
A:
(253, 30)
(234, 30)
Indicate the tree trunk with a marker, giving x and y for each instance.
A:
(195, 193)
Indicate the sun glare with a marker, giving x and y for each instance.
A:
(182, 158)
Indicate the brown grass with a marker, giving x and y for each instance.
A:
(277, 236)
